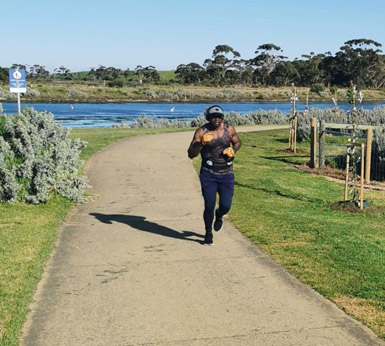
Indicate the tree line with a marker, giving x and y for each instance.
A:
(358, 60)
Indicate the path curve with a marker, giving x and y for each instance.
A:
(129, 268)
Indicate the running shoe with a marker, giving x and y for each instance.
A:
(218, 224)
(208, 239)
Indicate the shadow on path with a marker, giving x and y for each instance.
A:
(140, 223)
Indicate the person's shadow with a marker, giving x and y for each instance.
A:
(140, 223)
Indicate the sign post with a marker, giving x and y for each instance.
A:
(17, 84)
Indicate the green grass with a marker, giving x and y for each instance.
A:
(28, 234)
(166, 76)
(287, 213)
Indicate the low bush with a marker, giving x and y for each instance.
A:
(32, 93)
(37, 159)
(254, 118)
(317, 88)
(75, 94)
(374, 117)
(259, 117)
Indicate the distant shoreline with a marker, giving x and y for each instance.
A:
(78, 92)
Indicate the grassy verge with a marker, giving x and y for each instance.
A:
(288, 214)
(28, 234)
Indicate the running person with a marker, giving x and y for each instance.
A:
(217, 143)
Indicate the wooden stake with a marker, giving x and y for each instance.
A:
(290, 130)
(313, 143)
(321, 145)
(295, 134)
(347, 178)
(369, 139)
(362, 176)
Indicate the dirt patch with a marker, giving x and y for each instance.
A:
(364, 310)
(326, 171)
(338, 176)
(289, 151)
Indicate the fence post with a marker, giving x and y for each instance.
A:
(290, 133)
(295, 134)
(362, 176)
(313, 143)
(321, 144)
(369, 139)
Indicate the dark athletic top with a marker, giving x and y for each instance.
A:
(213, 151)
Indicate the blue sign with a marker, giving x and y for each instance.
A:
(17, 82)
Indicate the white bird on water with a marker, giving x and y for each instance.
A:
(172, 109)
(72, 107)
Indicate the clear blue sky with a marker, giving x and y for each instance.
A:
(81, 34)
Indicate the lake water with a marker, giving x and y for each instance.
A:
(92, 115)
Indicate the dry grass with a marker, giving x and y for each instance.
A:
(365, 311)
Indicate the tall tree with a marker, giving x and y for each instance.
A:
(190, 73)
(359, 61)
(312, 72)
(62, 71)
(267, 59)
(224, 58)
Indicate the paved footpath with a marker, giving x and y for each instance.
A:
(129, 268)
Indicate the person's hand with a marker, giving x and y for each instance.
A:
(229, 152)
(207, 137)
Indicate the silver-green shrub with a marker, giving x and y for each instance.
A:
(143, 121)
(38, 159)
(75, 94)
(7, 95)
(375, 117)
(32, 93)
(259, 117)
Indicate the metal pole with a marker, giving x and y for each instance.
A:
(18, 103)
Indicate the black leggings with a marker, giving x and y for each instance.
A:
(211, 185)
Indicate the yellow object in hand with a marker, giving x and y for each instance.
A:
(229, 152)
(207, 137)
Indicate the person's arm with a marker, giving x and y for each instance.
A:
(196, 144)
(235, 139)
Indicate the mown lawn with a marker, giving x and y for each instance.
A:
(288, 214)
(28, 234)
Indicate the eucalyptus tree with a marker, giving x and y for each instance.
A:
(38, 71)
(329, 68)
(267, 59)
(62, 71)
(312, 72)
(285, 73)
(139, 73)
(224, 58)
(246, 71)
(4, 72)
(190, 73)
(359, 61)
(19, 66)
(151, 74)
(148, 73)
